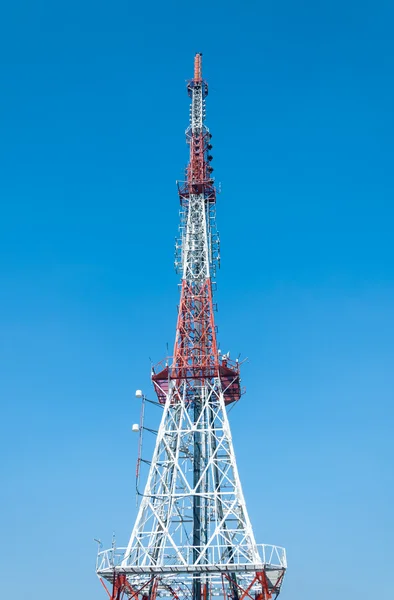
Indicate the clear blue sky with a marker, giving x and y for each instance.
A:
(92, 116)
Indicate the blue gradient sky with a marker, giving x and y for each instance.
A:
(92, 116)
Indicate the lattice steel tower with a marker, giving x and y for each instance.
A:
(192, 538)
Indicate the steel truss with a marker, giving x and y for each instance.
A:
(194, 472)
(192, 538)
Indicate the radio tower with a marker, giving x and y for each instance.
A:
(192, 538)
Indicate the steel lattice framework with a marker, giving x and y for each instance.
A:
(192, 537)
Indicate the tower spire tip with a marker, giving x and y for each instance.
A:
(198, 66)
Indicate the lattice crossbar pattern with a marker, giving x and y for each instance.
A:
(193, 458)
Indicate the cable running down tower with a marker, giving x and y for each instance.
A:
(193, 538)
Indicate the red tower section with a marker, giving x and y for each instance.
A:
(196, 356)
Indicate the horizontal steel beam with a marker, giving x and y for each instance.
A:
(231, 568)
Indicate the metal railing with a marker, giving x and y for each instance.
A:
(219, 559)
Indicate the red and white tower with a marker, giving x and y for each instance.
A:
(193, 537)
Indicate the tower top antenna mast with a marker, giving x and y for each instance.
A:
(198, 67)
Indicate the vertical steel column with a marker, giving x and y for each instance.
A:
(196, 496)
